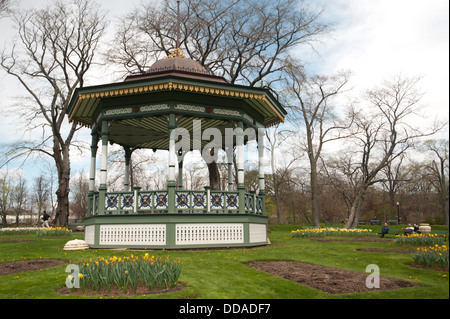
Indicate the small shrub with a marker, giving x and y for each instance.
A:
(420, 239)
(431, 256)
(331, 231)
(53, 231)
(124, 272)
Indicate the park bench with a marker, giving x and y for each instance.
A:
(392, 232)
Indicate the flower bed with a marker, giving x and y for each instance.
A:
(331, 231)
(420, 239)
(39, 231)
(53, 231)
(431, 256)
(124, 272)
(18, 230)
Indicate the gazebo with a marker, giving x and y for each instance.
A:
(175, 98)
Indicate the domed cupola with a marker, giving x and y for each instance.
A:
(176, 64)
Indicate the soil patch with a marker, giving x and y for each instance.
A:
(329, 280)
(115, 292)
(435, 267)
(28, 265)
(382, 250)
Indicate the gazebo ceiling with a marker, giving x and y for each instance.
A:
(138, 107)
(152, 132)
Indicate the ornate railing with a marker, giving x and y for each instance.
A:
(185, 202)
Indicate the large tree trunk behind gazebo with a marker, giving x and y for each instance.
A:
(62, 161)
(213, 170)
(214, 176)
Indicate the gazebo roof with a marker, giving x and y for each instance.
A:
(171, 85)
(177, 64)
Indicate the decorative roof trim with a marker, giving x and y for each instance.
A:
(175, 86)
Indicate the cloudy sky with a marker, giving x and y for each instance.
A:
(374, 39)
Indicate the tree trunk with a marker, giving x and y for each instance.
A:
(213, 170)
(445, 211)
(277, 204)
(214, 176)
(314, 193)
(62, 162)
(355, 210)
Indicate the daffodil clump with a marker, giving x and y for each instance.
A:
(124, 272)
(331, 231)
(53, 231)
(18, 230)
(420, 239)
(431, 256)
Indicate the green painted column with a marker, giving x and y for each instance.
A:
(92, 174)
(126, 178)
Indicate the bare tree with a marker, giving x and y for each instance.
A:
(80, 190)
(195, 176)
(246, 41)
(439, 170)
(382, 133)
(41, 190)
(311, 103)
(5, 7)
(55, 49)
(19, 197)
(280, 167)
(5, 195)
(394, 176)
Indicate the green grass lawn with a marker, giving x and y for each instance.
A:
(223, 274)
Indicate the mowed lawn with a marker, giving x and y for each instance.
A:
(223, 273)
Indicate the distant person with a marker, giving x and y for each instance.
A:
(384, 229)
(409, 230)
(45, 218)
(416, 229)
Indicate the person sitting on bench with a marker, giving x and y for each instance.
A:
(384, 229)
(409, 230)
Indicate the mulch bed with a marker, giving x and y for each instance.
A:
(435, 267)
(28, 265)
(329, 280)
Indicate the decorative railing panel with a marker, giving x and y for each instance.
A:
(185, 202)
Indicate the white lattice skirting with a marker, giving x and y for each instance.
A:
(151, 235)
(204, 234)
(132, 235)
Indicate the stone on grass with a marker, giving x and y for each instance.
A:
(76, 244)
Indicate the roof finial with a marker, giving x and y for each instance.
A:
(177, 52)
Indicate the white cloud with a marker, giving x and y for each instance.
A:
(377, 39)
